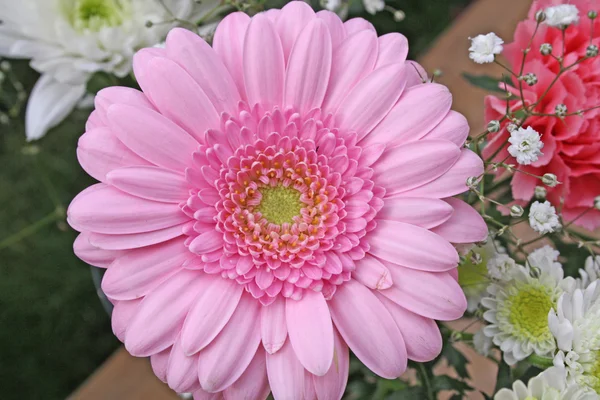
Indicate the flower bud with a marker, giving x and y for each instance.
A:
(516, 211)
(550, 180)
(399, 15)
(512, 127)
(530, 79)
(560, 110)
(540, 192)
(472, 181)
(597, 203)
(476, 258)
(493, 126)
(592, 14)
(591, 51)
(540, 16)
(546, 49)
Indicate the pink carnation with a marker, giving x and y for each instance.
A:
(290, 185)
(571, 148)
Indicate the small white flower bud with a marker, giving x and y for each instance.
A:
(560, 110)
(597, 203)
(540, 192)
(493, 126)
(546, 49)
(476, 258)
(530, 79)
(516, 211)
(472, 181)
(399, 15)
(5, 66)
(591, 51)
(592, 14)
(550, 180)
(512, 127)
(540, 16)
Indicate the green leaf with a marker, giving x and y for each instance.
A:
(504, 378)
(411, 393)
(456, 359)
(99, 81)
(486, 82)
(444, 382)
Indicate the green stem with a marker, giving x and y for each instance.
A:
(426, 382)
(33, 228)
(539, 361)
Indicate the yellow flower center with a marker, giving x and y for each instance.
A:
(93, 15)
(528, 309)
(279, 204)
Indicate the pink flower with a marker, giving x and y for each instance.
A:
(290, 186)
(571, 147)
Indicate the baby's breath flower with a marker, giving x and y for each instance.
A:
(540, 192)
(560, 110)
(546, 49)
(530, 78)
(516, 211)
(591, 51)
(493, 126)
(485, 47)
(525, 145)
(562, 15)
(592, 14)
(543, 218)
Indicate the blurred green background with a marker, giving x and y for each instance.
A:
(54, 331)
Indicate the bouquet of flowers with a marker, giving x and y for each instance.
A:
(286, 204)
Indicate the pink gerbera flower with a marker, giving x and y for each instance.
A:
(290, 185)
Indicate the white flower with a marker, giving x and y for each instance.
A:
(482, 344)
(499, 266)
(331, 5)
(590, 271)
(525, 145)
(576, 326)
(562, 15)
(543, 218)
(69, 40)
(374, 6)
(518, 311)
(485, 47)
(544, 257)
(550, 384)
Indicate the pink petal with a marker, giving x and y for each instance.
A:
(273, 325)
(91, 254)
(393, 48)
(454, 181)
(292, 19)
(229, 45)
(152, 136)
(94, 121)
(207, 242)
(411, 165)
(421, 335)
(181, 370)
(253, 384)
(308, 68)
(371, 99)
(286, 374)
(432, 295)
(119, 95)
(352, 61)
(178, 97)
(264, 65)
(372, 273)
(454, 127)
(159, 363)
(156, 324)
(354, 25)
(310, 331)
(104, 209)
(135, 240)
(140, 271)
(205, 66)
(211, 311)
(412, 246)
(335, 26)
(419, 109)
(415, 74)
(332, 385)
(152, 183)
(224, 360)
(368, 329)
(464, 226)
(99, 152)
(122, 313)
(422, 212)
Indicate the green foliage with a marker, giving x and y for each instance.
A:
(504, 379)
(486, 82)
(456, 359)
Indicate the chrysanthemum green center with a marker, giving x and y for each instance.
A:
(279, 204)
(528, 312)
(593, 372)
(94, 14)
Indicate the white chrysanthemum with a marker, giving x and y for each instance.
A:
(484, 48)
(525, 145)
(68, 40)
(576, 326)
(543, 218)
(562, 15)
(473, 278)
(590, 271)
(550, 384)
(374, 6)
(482, 343)
(518, 308)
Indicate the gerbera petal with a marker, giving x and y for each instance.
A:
(354, 25)
(421, 335)
(93, 255)
(285, 373)
(156, 324)
(371, 99)
(454, 127)
(332, 385)
(136, 240)
(308, 68)
(372, 273)
(211, 311)
(293, 18)
(464, 226)
(432, 295)
(393, 48)
(152, 183)
(368, 329)
(229, 45)
(152, 136)
(253, 384)
(414, 164)
(119, 95)
(409, 120)
(138, 272)
(264, 65)
(412, 246)
(205, 67)
(181, 370)
(159, 363)
(122, 313)
(224, 360)
(423, 212)
(311, 331)
(335, 26)
(273, 325)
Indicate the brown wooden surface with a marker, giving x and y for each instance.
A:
(123, 377)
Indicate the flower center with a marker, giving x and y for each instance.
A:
(593, 372)
(528, 312)
(93, 15)
(279, 204)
